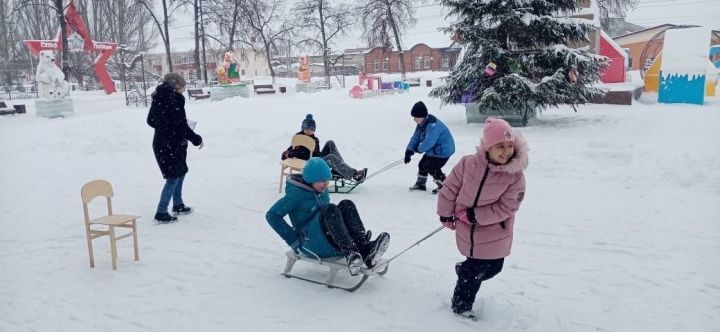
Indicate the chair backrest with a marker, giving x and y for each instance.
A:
(94, 189)
(303, 140)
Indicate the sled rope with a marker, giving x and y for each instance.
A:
(393, 164)
(408, 248)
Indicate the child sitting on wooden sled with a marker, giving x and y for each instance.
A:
(329, 152)
(319, 228)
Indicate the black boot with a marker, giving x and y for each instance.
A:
(354, 262)
(360, 175)
(182, 209)
(376, 249)
(468, 284)
(439, 184)
(165, 218)
(420, 183)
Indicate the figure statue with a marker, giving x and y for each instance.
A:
(50, 79)
(303, 73)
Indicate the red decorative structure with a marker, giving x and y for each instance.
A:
(78, 34)
(615, 73)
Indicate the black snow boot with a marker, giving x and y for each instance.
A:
(420, 183)
(354, 262)
(469, 315)
(165, 218)
(439, 184)
(376, 249)
(182, 209)
(360, 175)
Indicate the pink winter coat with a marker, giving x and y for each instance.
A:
(504, 188)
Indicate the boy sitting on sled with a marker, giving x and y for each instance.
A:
(322, 229)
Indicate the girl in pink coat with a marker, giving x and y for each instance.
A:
(479, 200)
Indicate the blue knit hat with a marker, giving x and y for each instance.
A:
(308, 123)
(316, 170)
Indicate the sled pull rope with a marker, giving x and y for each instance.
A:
(393, 164)
(408, 248)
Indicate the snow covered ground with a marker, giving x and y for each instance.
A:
(619, 230)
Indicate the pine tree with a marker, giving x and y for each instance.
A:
(517, 59)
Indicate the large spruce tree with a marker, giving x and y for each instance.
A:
(520, 56)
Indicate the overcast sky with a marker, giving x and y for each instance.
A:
(655, 12)
(430, 17)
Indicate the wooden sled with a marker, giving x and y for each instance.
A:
(334, 264)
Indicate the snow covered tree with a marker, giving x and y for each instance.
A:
(520, 56)
(384, 22)
(322, 21)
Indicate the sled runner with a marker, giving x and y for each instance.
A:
(334, 264)
(343, 186)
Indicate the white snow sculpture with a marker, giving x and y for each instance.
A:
(50, 79)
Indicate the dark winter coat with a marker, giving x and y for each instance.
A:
(167, 116)
(304, 205)
(432, 138)
(301, 152)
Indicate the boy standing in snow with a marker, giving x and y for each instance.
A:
(432, 138)
(479, 200)
(329, 152)
(322, 229)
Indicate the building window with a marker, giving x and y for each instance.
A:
(376, 65)
(418, 62)
(445, 61)
(243, 72)
(399, 63)
(427, 62)
(385, 64)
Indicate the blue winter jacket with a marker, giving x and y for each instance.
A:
(304, 205)
(432, 138)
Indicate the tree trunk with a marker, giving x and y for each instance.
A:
(167, 36)
(401, 54)
(326, 66)
(269, 62)
(63, 30)
(196, 52)
(236, 11)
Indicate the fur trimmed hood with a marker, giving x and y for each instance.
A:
(517, 164)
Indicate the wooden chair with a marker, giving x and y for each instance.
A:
(290, 165)
(97, 188)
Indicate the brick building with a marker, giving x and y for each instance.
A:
(420, 57)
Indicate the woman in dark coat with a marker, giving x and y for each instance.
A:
(172, 132)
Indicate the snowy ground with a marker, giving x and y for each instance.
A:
(619, 230)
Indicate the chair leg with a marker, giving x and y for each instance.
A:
(135, 240)
(90, 250)
(113, 248)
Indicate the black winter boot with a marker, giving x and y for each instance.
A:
(420, 183)
(439, 184)
(165, 218)
(468, 284)
(376, 249)
(360, 175)
(354, 262)
(182, 209)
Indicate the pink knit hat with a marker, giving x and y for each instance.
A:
(496, 131)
